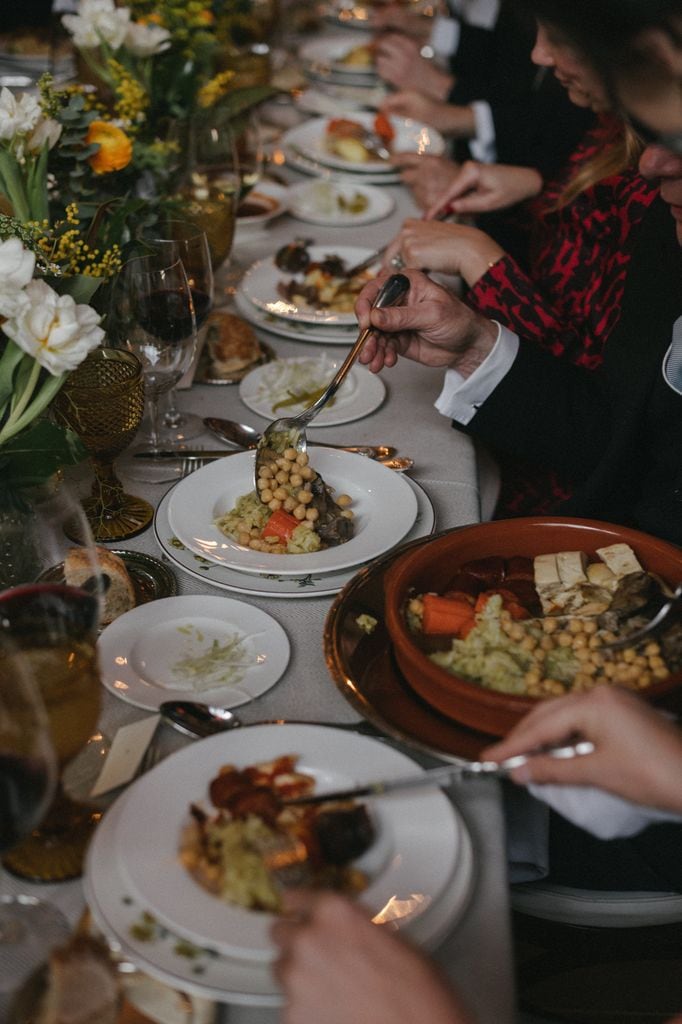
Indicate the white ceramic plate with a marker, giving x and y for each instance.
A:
(260, 282)
(143, 654)
(326, 96)
(273, 200)
(384, 505)
(318, 203)
(295, 330)
(271, 584)
(410, 137)
(204, 972)
(323, 56)
(302, 161)
(360, 394)
(406, 874)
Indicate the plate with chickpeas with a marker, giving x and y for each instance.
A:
(288, 386)
(306, 514)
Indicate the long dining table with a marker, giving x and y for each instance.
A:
(476, 955)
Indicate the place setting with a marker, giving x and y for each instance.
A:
(145, 889)
(341, 59)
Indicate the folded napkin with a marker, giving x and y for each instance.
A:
(603, 814)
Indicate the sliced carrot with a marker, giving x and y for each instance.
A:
(384, 128)
(280, 524)
(445, 617)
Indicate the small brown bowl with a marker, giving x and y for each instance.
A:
(431, 566)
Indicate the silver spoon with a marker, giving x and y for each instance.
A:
(243, 436)
(195, 719)
(289, 431)
(654, 624)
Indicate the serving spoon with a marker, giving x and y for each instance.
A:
(195, 719)
(289, 431)
(244, 436)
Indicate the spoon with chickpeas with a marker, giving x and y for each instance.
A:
(284, 440)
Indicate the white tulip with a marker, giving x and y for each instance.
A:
(54, 329)
(98, 21)
(46, 131)
(16, 270)
(17, 117)
(146, 40)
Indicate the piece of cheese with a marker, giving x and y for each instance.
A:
(571, 567)
(546, 572)
(620, 558)
(600, 575)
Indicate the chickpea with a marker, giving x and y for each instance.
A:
(271, 539)
(644, 680)
(575, 626)
(594, 642)
(609, 670)
(579, 641)
(565, 640)
(302, 459)
(265, 473)
(255, 544)
(590, 626)
(588, 668)
(598, 659)
(289, 504)
(295, 479)
(243, 539)
(532, 677)
(348, 513)
(282, 477)
(307, 525)
(516, 632)
(275, 505)
(307, 473)
(529, 643)
(262, 484)
(283, 463)
(550, 625)
(629, 654)
(344, 500)
(641, 662)
(254, 531)
(661, 673)
(416, 606)
(266, 495)
(299, 512)
(655, 661)
(304, 497)
(652, 648)
(547, 644)
(312, 515)
(281, 494)
(290, 454)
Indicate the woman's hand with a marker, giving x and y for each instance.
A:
(638, 752)
(428, 177)
(447, 118)
(433, 328)
(449, 248)
(480, 188)
(399, 62)
(336, 967)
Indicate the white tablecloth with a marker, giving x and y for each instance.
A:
(477, 956)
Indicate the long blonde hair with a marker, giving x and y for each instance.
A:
(620, 150)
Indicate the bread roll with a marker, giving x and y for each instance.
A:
(119, 594)
(231, 342)
(83, 985)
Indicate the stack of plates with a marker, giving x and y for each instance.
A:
(259, 301)
(143, 898)
(330, 60)
(388, 507)
(305, 149)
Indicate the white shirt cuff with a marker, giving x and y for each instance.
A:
(444, 37)
(482, 146)
(461, 397)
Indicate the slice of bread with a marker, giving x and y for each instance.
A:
(119, 593)
(231, 342)
(83, 985)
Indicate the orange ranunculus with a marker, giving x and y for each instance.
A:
(115, 148)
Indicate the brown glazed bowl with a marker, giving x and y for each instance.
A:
(430, 567)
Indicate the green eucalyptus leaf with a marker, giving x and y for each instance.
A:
(33, 456)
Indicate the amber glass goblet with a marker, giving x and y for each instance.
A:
(103, 402)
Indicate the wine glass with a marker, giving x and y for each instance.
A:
(29, 928)
(153, 316)
(210, 188)
(53, 627)
(103, 402)
(184, 241)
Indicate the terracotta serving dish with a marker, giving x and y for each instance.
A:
(431, 566)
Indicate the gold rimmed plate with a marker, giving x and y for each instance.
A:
(207, 373)
(151, 579)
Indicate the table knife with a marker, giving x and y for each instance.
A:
(209, 454)
(443, 774)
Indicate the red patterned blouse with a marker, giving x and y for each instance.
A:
(570, 301)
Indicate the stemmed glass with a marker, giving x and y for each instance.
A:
(53, 627)
(153, 316)
(184, 241)
(209, 191)
(103, 402)
(28, 779)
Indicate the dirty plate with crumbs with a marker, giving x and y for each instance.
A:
(213, 649)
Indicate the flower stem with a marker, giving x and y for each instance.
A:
(20, 404)
(40, 402)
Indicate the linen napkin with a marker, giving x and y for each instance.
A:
(603, 814)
